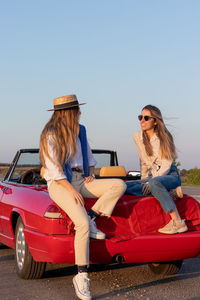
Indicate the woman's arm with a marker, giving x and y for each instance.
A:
(91, 164)
(91, 177)
(91, 170)
(162, 165)
(138, 142)
(144, 170)
(165, 167)
(52, 171)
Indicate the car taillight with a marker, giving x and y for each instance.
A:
(52, 212)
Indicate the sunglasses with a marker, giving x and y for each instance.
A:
(146, 118)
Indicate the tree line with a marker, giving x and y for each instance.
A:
(191, 176)
(188, 177)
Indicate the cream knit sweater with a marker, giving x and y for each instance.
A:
(157, 165)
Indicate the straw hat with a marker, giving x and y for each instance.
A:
(65, 102)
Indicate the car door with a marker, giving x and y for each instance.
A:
(5, 208)
(1, 196)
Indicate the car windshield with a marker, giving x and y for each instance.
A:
(25, 162)
(102, 159)
(29, 160)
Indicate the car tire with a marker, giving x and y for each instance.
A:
(166, 268)
(2, 246)
(27, 267)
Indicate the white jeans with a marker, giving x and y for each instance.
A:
(108, 192)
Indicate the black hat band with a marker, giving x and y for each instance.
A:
(66, 105)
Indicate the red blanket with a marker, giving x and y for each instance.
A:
(135, 216)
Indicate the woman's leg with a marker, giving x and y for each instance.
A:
(108, 192)
(159, 187)
(134, 187)
(79, 217)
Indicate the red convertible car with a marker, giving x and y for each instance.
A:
(39, 232)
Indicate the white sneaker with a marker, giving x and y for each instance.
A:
(81, 285)
(174, 227)
(94, 232)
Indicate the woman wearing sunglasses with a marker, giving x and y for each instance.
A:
(159, 176)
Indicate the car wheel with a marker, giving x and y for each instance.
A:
(27, 267)
(166, 268)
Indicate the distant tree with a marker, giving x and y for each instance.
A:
(183, 172)
(193, 176)
(176, 163)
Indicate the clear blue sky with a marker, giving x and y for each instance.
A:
(116, 55)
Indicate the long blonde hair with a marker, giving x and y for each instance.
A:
(167, 147)
(63, 128)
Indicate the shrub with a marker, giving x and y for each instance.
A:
(183, 172)
(3, 171)
(193, 176)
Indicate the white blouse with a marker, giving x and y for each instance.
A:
(52, 171)
(157, 165)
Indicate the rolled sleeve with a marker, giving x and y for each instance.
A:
(144, 170)
(165, 167)
(52, 172)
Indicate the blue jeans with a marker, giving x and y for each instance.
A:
(159, 187)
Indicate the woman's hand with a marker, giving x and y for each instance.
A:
(77, 196)
(89, 179)
(145, 188)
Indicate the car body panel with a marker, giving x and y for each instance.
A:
(146, 248)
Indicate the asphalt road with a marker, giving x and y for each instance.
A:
(133, 281)
(114, 282)
(192, 191)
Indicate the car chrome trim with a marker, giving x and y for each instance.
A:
(20, 247)
(53, 215)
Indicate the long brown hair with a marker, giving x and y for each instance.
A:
(63, 127)
(167, 147)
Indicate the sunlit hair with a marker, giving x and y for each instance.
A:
(167, 147)
(63, 129)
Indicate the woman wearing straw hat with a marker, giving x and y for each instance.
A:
(160, 176)
(68, 169)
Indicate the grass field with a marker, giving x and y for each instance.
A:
(3, 171)
(190, 184)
